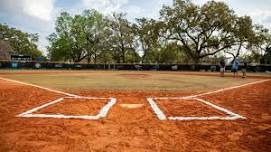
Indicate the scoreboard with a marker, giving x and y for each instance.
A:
(21, 58)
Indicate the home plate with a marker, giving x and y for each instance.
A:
(131, 106)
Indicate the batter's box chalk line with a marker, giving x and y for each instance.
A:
(102, 113)
(161, 115)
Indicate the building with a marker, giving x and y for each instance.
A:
(5, 50)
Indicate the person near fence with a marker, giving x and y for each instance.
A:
(244, 69)
(235, 67)
(222, 67)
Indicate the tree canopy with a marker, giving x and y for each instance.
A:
(21, 42)
(185, 32)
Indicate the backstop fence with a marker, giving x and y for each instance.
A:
(158, 67)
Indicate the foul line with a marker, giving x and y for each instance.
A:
(212, 92)
(40, 87)
(103, 112)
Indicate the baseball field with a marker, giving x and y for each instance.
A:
(134, 111)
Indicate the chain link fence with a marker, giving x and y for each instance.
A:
(136, 67)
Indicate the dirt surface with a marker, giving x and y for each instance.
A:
(136, 129)
(187, 108)
(75, 107)
(132, 76)
(227, 74)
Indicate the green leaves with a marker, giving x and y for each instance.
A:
(77, 37)
(122, 38)
(185, 32)
(204, 30)
(21, 42)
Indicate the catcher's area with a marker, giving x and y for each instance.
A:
(233, 116)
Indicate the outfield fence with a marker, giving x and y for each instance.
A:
(146, 67)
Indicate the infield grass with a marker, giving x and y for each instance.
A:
(124, 80)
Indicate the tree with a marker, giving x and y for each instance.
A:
(201, 31)
(96, 33)
(185, 32)
(242, 34)
(122, 39)
(260, 45)
(61, 43)
(21, 42)
(79, 37)
(147, 32)
(59, 49)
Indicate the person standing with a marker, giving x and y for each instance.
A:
(235, 66)
(244, 69)
(222, 67)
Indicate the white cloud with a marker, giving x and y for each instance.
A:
(105, 6)
(32, 16)
(39, 9)
(262, 17)
(42, 9)
(38, 16)
(201, 2)
(134, 11)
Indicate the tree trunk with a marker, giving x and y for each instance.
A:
(123, 55)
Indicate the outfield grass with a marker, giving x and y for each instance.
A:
(124, 80)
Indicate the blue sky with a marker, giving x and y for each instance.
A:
(38, 16)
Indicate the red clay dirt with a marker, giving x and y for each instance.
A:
(135, 129)
(75, 107)
(187, 108)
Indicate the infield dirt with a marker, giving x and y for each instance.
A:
(136, 129)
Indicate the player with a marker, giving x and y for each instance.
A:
(244, 69)
(235, 67)
(222, 67)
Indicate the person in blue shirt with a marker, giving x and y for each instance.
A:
(235, 67)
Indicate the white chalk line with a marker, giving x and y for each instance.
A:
(81, 97)
(102, 113)
(159, 113)
(40, 87)
(59, 116)
(40, 107)
(232, 116)
(211, 92)
(220, 108)
(161, 116)
(29, 114)
(228, 118)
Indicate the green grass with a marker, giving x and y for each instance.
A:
(114, 80)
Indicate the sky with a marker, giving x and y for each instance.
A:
(38, 16)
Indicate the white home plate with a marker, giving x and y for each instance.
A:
(131, 106)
